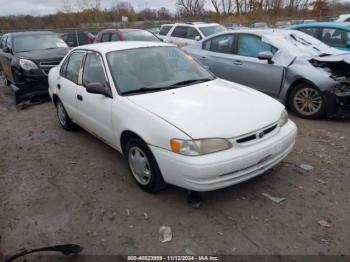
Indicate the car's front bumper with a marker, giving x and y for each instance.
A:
(229, 167)
(338, 104)
(31, 90)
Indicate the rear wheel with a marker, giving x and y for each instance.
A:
(63, 117)
(306, 101)
(143, 166)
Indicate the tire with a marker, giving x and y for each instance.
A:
(307, 102)
(63, 117)
(143, 166)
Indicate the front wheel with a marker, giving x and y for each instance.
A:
(306, 101)
(143, 166)
(63, 117)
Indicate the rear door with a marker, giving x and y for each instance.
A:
(251, 71)
(217, 55)
(67, 83)
(183, 35)
(95, 109)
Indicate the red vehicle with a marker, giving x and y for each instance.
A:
(125, 34)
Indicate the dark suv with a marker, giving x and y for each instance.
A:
(26, 59)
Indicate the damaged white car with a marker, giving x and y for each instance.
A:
(311, 78)
(173, 120)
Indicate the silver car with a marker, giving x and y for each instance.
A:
(309, 77)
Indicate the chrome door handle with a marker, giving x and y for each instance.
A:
(237, 62)
(203, 58)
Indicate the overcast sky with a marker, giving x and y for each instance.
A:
(43, 7)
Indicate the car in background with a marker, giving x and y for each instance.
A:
(260, 25)
(174, 122)
(309, 21)
(78, 38)
(125, 34)
(188, 33)
(236, 27)
(26, 59)
(331, 33)
(343, 18)
(283, 24)
(310, 77)
(154, 30)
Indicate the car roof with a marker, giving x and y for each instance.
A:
(130, 29)
(340, 25)
(196, 24)
(107, 47)
(31, 33)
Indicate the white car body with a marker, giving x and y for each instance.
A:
(343, 18)
(182, 41)
(214, 109)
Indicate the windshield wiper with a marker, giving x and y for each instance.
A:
(162, 88)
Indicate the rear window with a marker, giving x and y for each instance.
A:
(139, 36)
(210, 30)
(165, 29)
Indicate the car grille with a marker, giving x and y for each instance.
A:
(256, 135)
(46, 66)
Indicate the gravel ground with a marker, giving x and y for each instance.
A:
(61, 187)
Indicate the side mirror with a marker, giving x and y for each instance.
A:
(99, 88)
(197, 38)
(266, 55)
(71, 44)
(348, 43)
(6, 49)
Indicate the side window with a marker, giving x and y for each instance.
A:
(251, 45)
(73, 66)
(180, 31)
(9, 42)
(220, 44)
(165, 29)
(310, 31)
(114, 37)
(192, 33)
(335, 37)
(3, 41)
(105, 37)
(93, 70)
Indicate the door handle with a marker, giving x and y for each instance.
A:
(80, 97)
(237, 62)
(58, 86)
(203, 58)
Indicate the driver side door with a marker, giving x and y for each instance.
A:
(249, 70)
(95, 109)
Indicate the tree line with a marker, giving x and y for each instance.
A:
(90, 12)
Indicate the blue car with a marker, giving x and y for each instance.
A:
(333, 34)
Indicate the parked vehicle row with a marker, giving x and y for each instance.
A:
(174, 122)
(311, 78)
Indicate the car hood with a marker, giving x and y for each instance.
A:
(213, 109)
(44, 55)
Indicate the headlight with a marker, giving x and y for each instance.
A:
(199, 146)
(283, 118)
(27, 64)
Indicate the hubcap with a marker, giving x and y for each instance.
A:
(61, 114)
(307, 101)
(139, 165)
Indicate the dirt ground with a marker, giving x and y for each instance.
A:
(60, 187)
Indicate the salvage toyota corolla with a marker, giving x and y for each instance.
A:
(173, 120)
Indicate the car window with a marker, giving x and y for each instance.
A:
(192, 33)
(105, 37)
(139, 35)
(180, 31)
(220, 44)
(210, 30)
(93, 70)
(165, 29)
(73, 67)
(114, 37)
(3, 41)
(251, 45)
(335, 37)
(9, 42)
(310, 31)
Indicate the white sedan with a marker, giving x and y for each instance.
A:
(174, 121)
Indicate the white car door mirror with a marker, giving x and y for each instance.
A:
(99, 88)
(197, 38)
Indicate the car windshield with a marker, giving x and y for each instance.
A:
(140, 36)
(210, 30)
(153, 69)
(26, 43)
